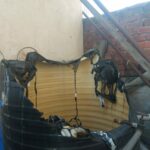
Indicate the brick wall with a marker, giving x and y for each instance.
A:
(136, 20)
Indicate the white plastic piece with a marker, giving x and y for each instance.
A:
(67, 131)
(101, 100)
(144, 117)
(110, 140)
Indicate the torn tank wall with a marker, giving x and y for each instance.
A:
(53, 27)
(55, 96)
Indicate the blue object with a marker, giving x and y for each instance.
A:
(1, 140)
(1, 134)
(1, 104)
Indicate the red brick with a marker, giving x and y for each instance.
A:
(142, 37)
(147, 53)
(147, 37)
(145, 44)
(144, 29)
(130, 30)
(139, 37)
(147, 14)
(146, 22)
(110, 49)
(121, 66)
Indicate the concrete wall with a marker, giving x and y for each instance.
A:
(53, 27)
(135, 20)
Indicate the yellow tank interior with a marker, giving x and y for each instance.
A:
(55, 96)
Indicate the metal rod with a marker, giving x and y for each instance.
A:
(105, 36)
(112, 19)
(133, 141)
